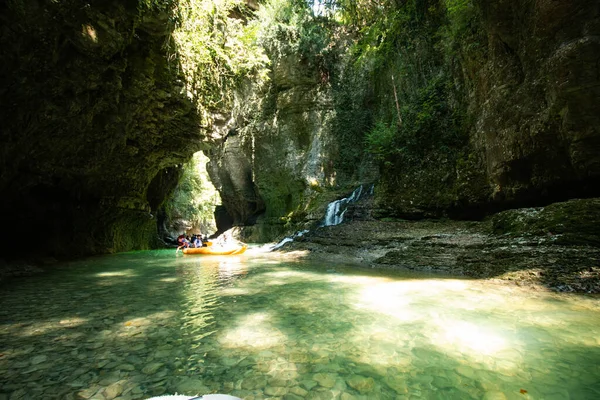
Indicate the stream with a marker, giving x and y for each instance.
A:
(259, 325)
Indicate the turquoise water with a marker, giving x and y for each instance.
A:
(257, 326)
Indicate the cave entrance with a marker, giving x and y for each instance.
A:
(191, 207)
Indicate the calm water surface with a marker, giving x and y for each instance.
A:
(136, 325)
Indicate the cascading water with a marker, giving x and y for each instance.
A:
(289, 239)
(337, 209)
(334, 214)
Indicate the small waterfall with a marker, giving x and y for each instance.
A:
(334, 215)
(337, 209)
(289, 239)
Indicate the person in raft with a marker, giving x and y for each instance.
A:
(197, 242)
(182, 242)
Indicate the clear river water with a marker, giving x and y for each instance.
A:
(259, 326)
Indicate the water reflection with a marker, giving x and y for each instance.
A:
(137, 325)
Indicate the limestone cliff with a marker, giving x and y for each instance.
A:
(93, 125)
(527, 76)
(498, 109)
(282, 160)
(264, 169)
(464, 108)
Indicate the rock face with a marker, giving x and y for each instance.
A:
(555, 246)
(523, 82)
(93, 125)
(526, 74)
(231, 173)
(537, 122)
(270, 171)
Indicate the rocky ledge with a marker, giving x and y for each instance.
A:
(552, 247)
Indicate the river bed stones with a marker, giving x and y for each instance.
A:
(343, 334)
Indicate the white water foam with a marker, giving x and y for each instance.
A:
(289, 239)
(337, 209)
(334, 214)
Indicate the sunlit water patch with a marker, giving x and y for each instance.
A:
(136, 325)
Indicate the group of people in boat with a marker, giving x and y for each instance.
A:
(196, 240)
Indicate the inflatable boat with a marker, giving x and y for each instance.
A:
(216, 250)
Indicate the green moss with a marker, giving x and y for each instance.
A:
(574, 222)
(132, 231)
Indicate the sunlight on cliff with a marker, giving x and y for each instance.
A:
(89, 32)
(192, 205)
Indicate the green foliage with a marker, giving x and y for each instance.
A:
(216, 52)
(461, 15)
(462, 34)
(430, 122)
(380, 139)
(417, 113)
(194, 198)
(289, 27)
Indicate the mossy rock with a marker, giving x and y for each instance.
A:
(574, 222)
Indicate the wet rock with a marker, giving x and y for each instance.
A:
(462, 248)
(320, 394)
(397, 383)
(292, 396)
(325, 380)
(113, 390)
(275, 391)
(163, 354)
(442, 382)
(192, 385)
(152, 368)
(494, 396)
(465, 371)
(137, 390)
(21, 394)
(308, 384)
(298, 391)
(360, 383)
(125, 367)
(298, 357)
(109, 379)
(39, 359)
(134, 360)
(88, 392)
(254, 382)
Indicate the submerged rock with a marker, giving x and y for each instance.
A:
(361, 383)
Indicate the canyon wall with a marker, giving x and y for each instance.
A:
(94, 125)
(470, 107)
(527, 74)
(498, 109)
